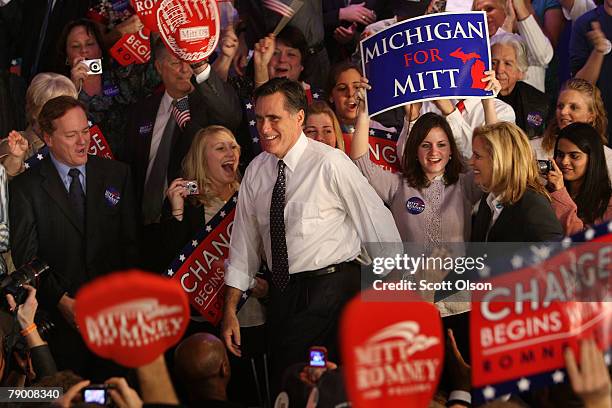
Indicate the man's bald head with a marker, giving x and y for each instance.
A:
(200, 358)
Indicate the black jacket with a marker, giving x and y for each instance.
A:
(44, 224)
(530, 106)
(530, 219)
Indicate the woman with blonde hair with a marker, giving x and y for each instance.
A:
(19, 146)
(578, 101)
(516, 206)
(322, 125)
(212, 164)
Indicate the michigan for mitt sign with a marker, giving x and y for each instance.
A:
(428, 57)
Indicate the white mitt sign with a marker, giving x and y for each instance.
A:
(189, 28)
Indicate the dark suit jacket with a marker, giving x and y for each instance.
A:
(43, 224)
(530, 106)
(176, 234)
(213, 102)
(530, 219)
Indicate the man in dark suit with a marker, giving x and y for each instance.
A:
(75, 212)
(160, 134)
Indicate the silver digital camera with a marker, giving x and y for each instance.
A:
(192, 187)
(94, 65)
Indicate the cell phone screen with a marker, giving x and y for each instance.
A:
(317, 358)
(95, 396)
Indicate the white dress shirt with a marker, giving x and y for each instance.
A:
(579, 7)
(462, 124)
(330, 211)
(161, 120)
(496, 208)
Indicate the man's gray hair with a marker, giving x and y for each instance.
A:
(516, 42)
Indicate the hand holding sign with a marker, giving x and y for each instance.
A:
(426, 58)
(491, 82)
(132, 48)
(190, 29)
(359, 143)
(147, 12)
(131, 317)
(130, 26)
(393, 360)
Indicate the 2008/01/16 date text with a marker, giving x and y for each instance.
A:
(12, 394)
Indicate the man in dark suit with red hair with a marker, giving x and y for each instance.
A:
(75, 212)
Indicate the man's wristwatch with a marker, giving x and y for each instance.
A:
(608, 48)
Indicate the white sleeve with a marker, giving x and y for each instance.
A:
(539, 49)
(204, 75)
(462, 132)
(505, 112)
(403, 136)
(579, 8)
(372, 220)
(463, 129)
(244, 255)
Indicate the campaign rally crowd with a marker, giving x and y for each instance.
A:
(109, 166)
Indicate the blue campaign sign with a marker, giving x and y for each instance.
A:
(435, 56)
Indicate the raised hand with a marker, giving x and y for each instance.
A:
(18, 145)
(598, 39)
(357, 13)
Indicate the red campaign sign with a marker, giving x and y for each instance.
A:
(382, 151)
(201, 275)
(132, 48)
(394, 358)
(147, 12)
(520, 328)
(131, 317)
(98, 146)
(190, 29)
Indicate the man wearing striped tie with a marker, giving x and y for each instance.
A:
(162, 126)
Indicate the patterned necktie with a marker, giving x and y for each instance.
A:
(280, 259)
(180, 112)
(76, 194)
